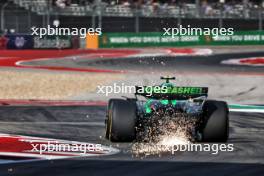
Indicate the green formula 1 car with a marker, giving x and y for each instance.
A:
(206, 120)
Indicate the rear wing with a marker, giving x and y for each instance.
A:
(171, 92)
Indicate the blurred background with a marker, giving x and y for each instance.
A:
(131, 15)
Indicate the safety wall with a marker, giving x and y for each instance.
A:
(21, 41)
(126, 40)
(157, 39)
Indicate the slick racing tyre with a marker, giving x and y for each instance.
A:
(121, 120)
(108, 110)
(216, 121)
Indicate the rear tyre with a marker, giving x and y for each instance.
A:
(216, 121)
(107, 125)
(121, 120)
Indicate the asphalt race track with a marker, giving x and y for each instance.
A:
(86, 124)
(208, 64)
(197, 64)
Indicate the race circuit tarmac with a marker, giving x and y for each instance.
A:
(180, 64)
(86, 124)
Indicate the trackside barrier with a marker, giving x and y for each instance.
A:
(156, 39)
(20, 41)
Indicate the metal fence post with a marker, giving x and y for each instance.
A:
(93, 21)
(2, 15)
(137, 19)
(99, 13)
(179, 15)
(198, 10)
(260, 17)
(29, 16)
(48, 11)
(43, 21)
(221, 13)
(16, 22)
